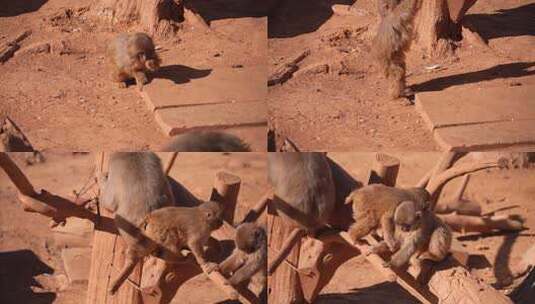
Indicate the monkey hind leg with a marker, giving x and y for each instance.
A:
(127, 269)
(396, 76)
(363, 225)
(439, 245)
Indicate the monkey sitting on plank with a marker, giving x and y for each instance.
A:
(248, 261)
(131, 56)
(374, 207)
(167, 231)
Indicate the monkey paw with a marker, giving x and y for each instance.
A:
(121, 85)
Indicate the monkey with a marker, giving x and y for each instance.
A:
(303, 188)
(424, 236)
(132, 56)
(386, 6)
(248, 261)
(392, 41)
(167, 231)
(206, 141)
(134, 186)
(374, 206)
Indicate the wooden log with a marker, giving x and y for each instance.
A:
(444, 163)
(457, 204)
(253, 214)
(466, 223)
(385, 170)
(284, 285)
(16, 175)
(226, 189)
(9, 48)
(293, 238)
(286, 70)
(170, 162)
(12, 139)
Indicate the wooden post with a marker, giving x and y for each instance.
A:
(226, 189)
(385, 170)
(106, 260)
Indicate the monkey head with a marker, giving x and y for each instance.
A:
(421, 194)
(249, 237)
(408, 216)
(213, 212)
(152, 63)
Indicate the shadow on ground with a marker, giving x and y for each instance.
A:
(212, 10)
(381, 293)
(508, 70)
(17, 272)
(518, 21)
(10, 8)
(180, 73)
(296, 17)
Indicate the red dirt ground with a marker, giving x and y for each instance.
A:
(66, 102)
(351, 112)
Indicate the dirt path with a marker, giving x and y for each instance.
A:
(346, 108)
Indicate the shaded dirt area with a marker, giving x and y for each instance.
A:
(31, 268)
(63, 100)
(492, 255)
(337, 101)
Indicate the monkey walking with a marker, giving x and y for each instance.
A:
(130, 56)
(374, 206)
(392, 41)
(248, 261)
(206, 141)
(166, 231)
(424, 236)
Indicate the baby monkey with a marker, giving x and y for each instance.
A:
(424, 236)
(248, 261)
(130, 56)
(374, 206)
(167, 231)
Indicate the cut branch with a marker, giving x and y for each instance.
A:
(466, 223)
(9, 48)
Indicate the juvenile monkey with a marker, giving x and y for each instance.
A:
(303, 187)
(386, 6)
(374, 206)
(134, 186)
(131, 56)
(393, 40)
(167, 231)
(424, 236)
(206, 141)
(248, 261)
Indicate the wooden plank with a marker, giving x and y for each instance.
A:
(514, 135)
(465, 106)
(177, 85)
(176, 120)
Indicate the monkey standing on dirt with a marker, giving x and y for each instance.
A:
(134, 186)
(131, 56)
(374, 206)
(303, 187)
(248, 261)
(206, 141)
(423, 235)
(167, 231)
(392, 41)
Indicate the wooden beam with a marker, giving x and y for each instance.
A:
(385, 170)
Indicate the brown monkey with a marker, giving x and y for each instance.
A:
(131, 56)
(206, 141)
(248, 261)
(386, 6)
(424, 236)
(134, 186)
(392, 41)
(303, 188)
(374, 206)
(166, 231)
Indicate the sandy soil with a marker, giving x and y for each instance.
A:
(31, 269)
(347, 108)
(64, 100)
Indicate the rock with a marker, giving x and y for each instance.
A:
(77, 262)
(35, 48)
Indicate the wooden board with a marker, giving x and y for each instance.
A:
(176, 120)
(178, 85)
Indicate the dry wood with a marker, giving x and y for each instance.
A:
(433, 28)
(286, 70)
(226, 189)
(9, 48)
(289, 243)
(257, 210)
(385, 170)
(444, 163)
(466, 223)
(12, 139)
(457, 204)
(170, 162)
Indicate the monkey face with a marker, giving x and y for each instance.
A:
(213, 213)
(407, 216)
(152, 64)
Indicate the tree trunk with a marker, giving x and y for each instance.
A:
(155, 17)
(435, 31)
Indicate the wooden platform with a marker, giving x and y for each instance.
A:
(468, 119)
